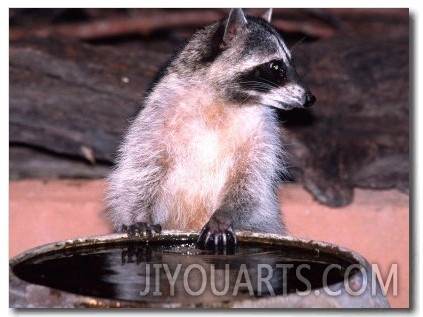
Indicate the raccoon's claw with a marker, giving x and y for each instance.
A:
(141, 229)
(217, 240)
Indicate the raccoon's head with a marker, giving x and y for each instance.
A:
(262, 64)
(246, 60)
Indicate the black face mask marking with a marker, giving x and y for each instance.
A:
(264, 77)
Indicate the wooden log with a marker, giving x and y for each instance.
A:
(26, 162)
(357, 133)
(66, 95)
(107, 23)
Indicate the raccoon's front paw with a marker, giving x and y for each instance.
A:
(141, 229)
(217, 234)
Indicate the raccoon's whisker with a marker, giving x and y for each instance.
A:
(245, 100)
(298, 42)
(260, 85)
(264, 83)
(259, 88)
(268, 82)
(253, 87)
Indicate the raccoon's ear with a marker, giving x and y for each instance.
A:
(236, 23)
(268, 15)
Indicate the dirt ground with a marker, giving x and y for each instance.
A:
(376, 224)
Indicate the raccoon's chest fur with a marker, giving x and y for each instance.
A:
(207, 145)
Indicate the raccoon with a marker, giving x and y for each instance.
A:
(204, 153)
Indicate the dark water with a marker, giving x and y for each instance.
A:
(182, 273)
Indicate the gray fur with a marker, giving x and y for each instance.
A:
(204, 147)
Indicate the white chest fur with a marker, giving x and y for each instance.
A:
(205, 143)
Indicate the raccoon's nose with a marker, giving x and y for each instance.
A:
(310, 100)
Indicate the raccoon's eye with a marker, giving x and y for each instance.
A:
(278, 68)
